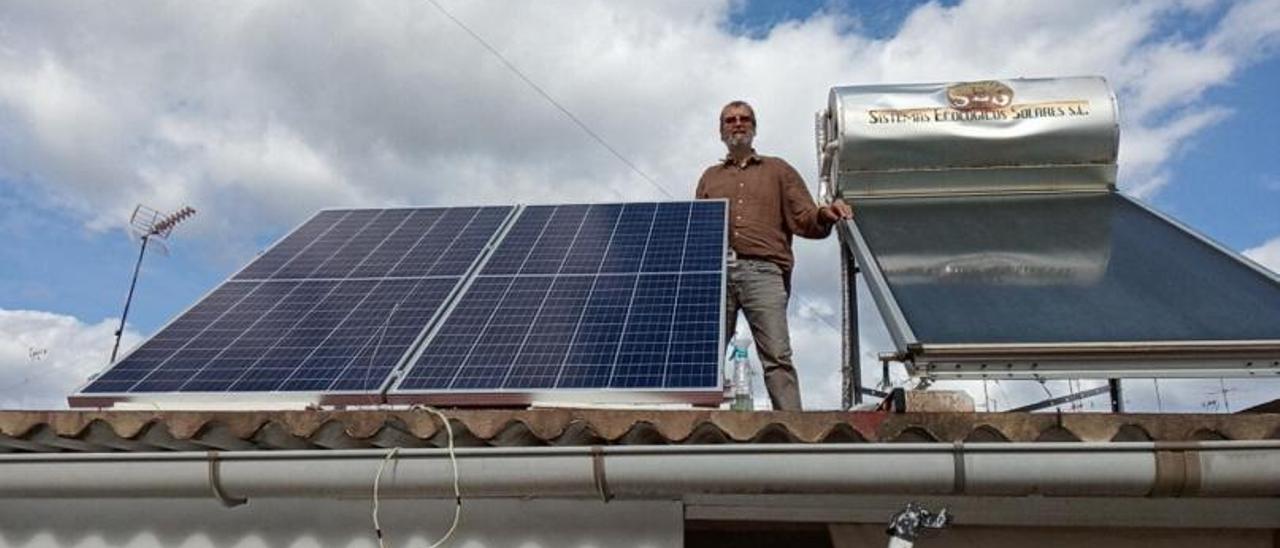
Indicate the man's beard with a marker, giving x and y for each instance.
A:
(734, 140)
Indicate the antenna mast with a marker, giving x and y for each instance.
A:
(147, 223)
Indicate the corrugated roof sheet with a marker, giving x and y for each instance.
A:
(147, 431)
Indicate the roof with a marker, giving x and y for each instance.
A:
(1272, 406)
(156, 431)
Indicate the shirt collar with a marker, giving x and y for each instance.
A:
(727, 161)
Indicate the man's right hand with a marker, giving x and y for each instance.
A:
(836, 211)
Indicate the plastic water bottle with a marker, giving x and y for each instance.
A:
(741, 375)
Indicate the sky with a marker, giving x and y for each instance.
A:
(260, 113)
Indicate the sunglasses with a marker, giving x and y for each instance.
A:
(735, 119)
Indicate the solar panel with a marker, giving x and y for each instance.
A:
(608, 298)
(331, 309)
(621, 298)
(1030, 283)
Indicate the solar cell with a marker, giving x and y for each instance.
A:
(291, 245)
(607, 297)
(418, 226)
(333, 307)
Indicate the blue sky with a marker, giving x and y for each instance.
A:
(1231, 165)
(283, 110)
(755, 18)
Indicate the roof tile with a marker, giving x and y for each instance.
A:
(141, 431)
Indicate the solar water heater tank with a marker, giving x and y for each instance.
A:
(989, 136)
(989, 230)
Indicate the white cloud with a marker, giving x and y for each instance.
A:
(46, 356)
(249, 110)
(1267, 254)
(258, 113)
(1144, 150)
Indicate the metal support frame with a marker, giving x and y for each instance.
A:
(851, 366)
(1062, 399)
(1117, 396)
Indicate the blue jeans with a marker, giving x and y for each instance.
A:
(759, 290)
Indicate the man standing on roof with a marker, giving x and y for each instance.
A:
(768, 204)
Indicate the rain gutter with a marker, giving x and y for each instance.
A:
(1179, 469)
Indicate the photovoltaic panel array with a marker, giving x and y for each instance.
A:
(332, 308)
(606, 297)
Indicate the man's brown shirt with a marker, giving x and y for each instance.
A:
(768, 203)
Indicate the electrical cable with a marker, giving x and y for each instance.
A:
(457, 488)
(1049, 393)
(1004, 395)
(804, 301)
(587, 129)
(377, 480)
(582, 125)
(381, 334)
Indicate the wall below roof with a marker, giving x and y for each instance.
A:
(306, 523)
(858, 536)
(299, 523)
(1090, 513)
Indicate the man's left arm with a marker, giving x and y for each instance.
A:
(805, 217)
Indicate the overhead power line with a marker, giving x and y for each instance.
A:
(577, 121)
(585, 128)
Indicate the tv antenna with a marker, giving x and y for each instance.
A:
(147, 223)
